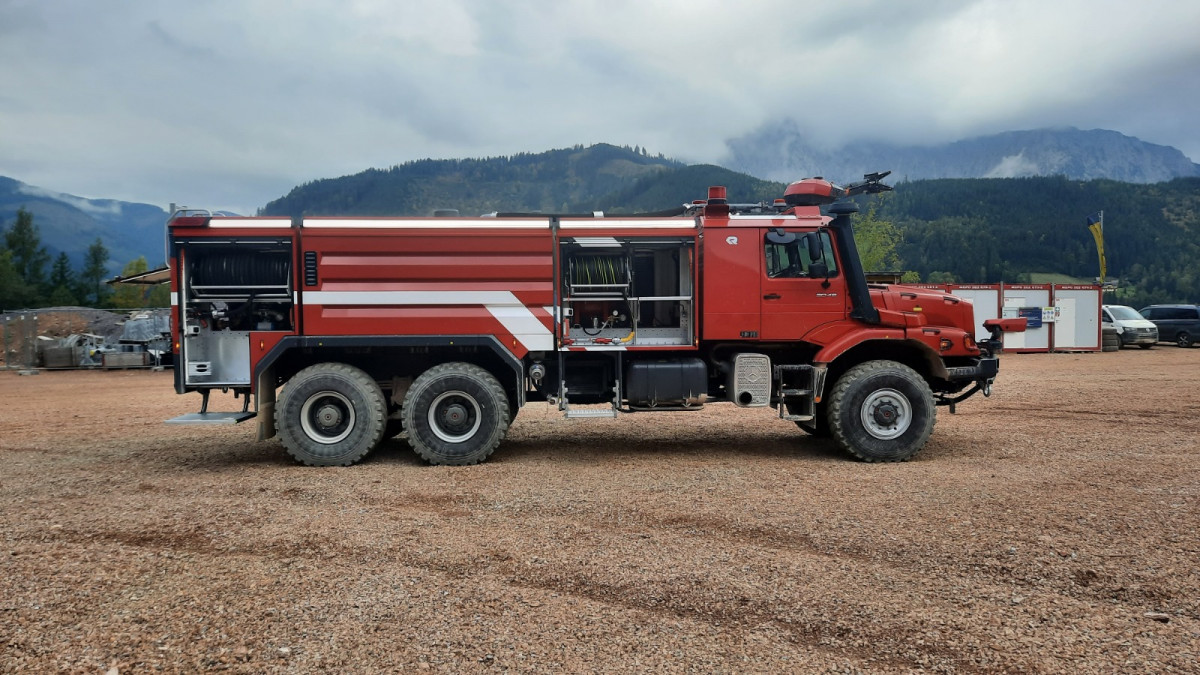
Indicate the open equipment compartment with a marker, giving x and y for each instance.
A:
(628, 292)
(228, 290)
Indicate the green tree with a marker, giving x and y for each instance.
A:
(14, 292)
(94, 270)
(137, 296)
(877, 240)
(62, 296)
(62, 280)
(29, 257)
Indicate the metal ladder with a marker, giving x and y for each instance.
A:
(796, 386)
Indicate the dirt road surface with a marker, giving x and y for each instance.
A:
(1051, 528)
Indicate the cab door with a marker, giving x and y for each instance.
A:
(802, 285)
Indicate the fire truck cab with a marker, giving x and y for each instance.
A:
(346, 331)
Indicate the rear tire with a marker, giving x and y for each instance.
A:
(1184, 340)
(881, 411)
(330, 414)
(456, 414)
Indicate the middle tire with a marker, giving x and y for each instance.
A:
(456, 414)
(881, 411)
(330, 414)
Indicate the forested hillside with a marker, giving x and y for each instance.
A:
(556, 181)
(988, 230)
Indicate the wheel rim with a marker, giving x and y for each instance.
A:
(1185, 340)
(327, 417)
(455, 416)
(886, 414)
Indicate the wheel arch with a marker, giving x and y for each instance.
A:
(386, 357)
(912, 353)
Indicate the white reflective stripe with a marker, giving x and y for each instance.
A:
(777, 216)
(603, 348)
(174, 299)
(249, 222)
(616, 224)
(605, 242)
(523, 325)
(435, 224)
(516, 318)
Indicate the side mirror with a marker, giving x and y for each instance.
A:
(780, 236)
(813, 241)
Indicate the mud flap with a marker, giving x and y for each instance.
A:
(264, 403)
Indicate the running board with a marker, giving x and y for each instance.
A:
(580, 413)
(205, 417)
(213, 418)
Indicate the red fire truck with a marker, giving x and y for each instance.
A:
(345, 331)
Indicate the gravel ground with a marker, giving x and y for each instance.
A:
(1051, 528)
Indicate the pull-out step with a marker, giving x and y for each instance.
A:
(579, 413)
(795, 393)
(213, 418)
(205, 417)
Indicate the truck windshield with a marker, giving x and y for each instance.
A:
(1122, 313)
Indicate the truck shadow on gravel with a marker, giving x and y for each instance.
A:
(601, 449)
(587, 448)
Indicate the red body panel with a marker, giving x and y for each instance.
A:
(418, 281)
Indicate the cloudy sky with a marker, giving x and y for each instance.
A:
(231, 103)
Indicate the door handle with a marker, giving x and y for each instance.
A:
(772, 296)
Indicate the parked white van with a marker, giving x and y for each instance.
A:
(1131, 326)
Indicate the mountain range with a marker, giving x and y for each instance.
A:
(781, 152)
(70, 224)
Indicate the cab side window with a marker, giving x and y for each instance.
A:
(807, 255)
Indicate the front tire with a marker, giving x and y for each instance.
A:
(330, 414)
(881, 411)
(455, 414)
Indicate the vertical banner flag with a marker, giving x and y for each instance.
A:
(1095, 223)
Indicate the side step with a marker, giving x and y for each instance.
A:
(796, 386)
(589, 413)
(213, 418)
(577, 413)
(205, 417)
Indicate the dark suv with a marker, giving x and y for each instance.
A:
(1178, 323)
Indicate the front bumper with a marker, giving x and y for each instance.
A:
(985, 368)
(982, 372)
(1130, 337)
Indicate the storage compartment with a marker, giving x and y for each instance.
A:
(666, 383)
(632, 293)
(218, 358)
(241, 287)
